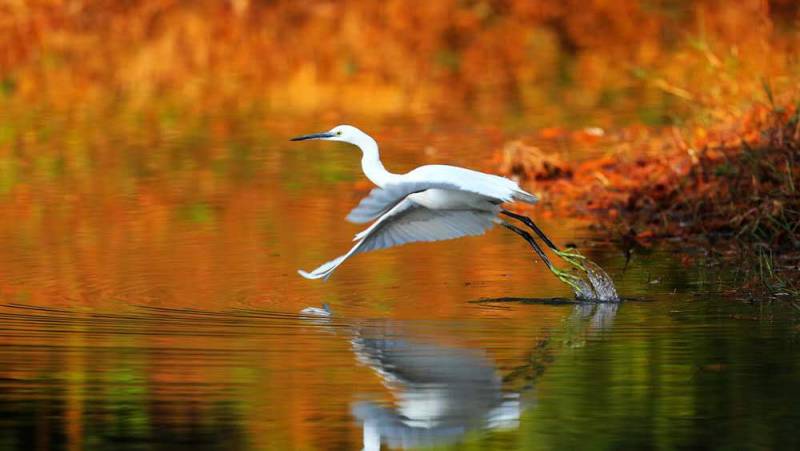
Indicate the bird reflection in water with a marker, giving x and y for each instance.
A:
(441, 392)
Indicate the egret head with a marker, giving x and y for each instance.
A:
(344, 133)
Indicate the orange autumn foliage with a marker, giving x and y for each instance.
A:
(733, 181)
(387, 57)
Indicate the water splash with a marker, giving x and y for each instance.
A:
(588, 281)
(583, 290)
(603, 285)
(323, 312)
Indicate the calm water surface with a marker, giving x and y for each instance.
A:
(150, 300)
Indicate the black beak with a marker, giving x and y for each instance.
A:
(313, 136)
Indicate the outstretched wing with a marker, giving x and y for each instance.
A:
(408, 222)
(381, 200)
(488, 185)
(421, 224)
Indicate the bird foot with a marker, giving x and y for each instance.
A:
(568, 278)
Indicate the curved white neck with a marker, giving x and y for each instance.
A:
(371, 161)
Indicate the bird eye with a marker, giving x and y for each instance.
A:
(339, 133)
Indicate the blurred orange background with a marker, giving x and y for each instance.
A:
(393, 57)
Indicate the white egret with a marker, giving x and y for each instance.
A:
(429, 203)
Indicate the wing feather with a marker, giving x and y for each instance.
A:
(408, 222)
(422, 224)
(381, 200)
(488, 185)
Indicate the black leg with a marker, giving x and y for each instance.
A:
(529, 222)
(527, 236)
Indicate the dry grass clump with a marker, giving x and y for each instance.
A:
(734, 189)
(522, 160)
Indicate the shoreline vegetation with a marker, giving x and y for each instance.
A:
(732, 190)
